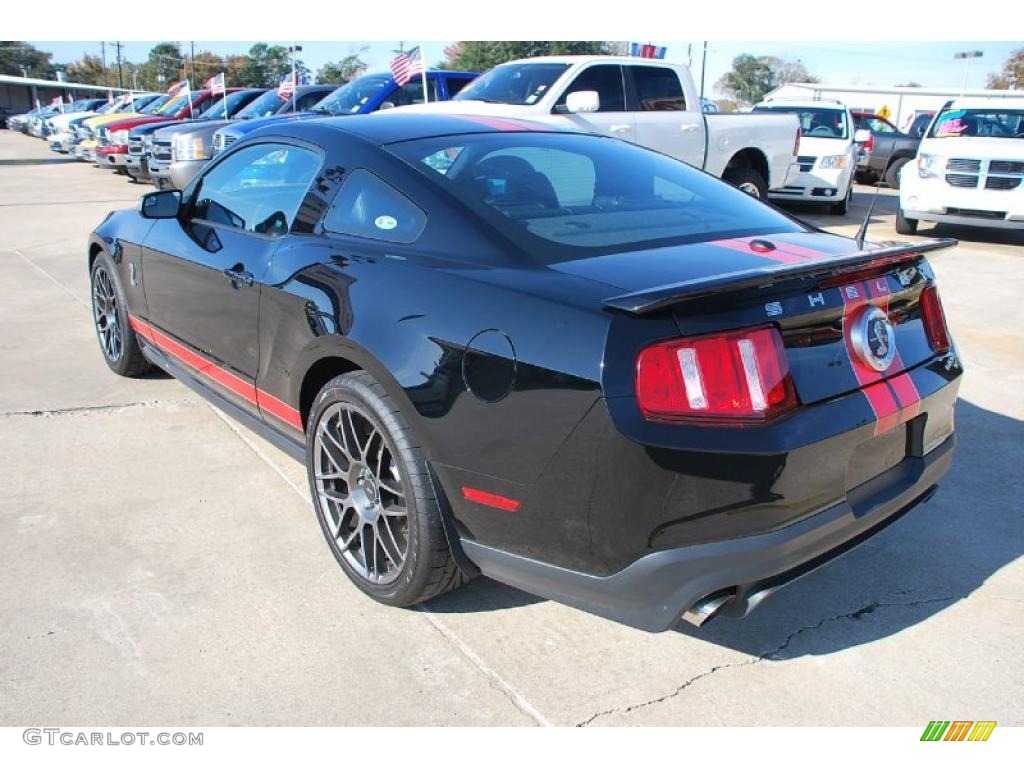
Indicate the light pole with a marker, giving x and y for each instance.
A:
(293, 49)
(966, 56)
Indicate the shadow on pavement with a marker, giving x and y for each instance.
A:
(38, 161)
(936, 555)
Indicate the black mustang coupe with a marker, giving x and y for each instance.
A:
(577, 366)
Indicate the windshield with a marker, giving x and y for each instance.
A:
(512, 83)
(174, 106)
(234, 101)
(265, 105)
(992, 123)
(153, 107)
(556, 194)
(816, 122)
(352, 97)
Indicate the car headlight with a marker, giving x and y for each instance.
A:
(188, 148)
(118, 137)
(834, 161)
(928, 166)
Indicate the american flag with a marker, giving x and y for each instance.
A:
(216, 84)
(55, 102)
(286, 88)
(177, 89)
(110, 96)
(126, 98)
(70, 100)
(407, 65)
(647, 51)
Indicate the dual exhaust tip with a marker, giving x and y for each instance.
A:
(736, 602)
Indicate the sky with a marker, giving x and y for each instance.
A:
(889, 63)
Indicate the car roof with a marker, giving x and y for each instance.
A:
(975, 103)
(802, 104)
(396, 125)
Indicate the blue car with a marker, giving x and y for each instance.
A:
(359, 97)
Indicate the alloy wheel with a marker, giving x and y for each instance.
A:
(104, 310)
(361, 492)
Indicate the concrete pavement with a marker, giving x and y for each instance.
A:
(163, 564)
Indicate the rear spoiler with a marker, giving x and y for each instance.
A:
(653, 299)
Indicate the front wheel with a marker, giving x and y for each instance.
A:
(117, 340)
(905, 226)
(840, 208)
(747, 180)
(373, 495)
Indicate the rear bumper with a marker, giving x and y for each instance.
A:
(655, 591)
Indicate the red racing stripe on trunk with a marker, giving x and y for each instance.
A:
(743, 246)
(262, 400)
(501, 124)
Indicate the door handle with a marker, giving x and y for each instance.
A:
(689, 127)
(238, 275)
(619, 128)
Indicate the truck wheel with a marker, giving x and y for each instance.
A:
(892, 173)
(747, 180)
(373, 497)
(840, 208)
(905, 226)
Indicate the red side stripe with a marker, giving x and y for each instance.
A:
(490, 499)
(263, 400)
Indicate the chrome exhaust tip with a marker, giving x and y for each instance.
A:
(705, 609)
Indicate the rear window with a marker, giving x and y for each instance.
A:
(557, 194)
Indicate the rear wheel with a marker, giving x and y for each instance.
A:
(373, 496)
(892, 173)
(905, 226)
(747, 180)
(118, 342)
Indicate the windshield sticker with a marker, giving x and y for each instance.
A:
(386, 222)
(952, 124)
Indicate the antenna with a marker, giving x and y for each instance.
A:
(863, 231)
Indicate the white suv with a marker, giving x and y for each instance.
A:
(969, 169)
(827, 154)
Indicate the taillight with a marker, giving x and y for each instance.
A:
(739, 376)
(870, 143)
(934, 319)
(796, 144)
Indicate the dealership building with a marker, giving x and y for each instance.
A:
(902, 103)
(20, 94)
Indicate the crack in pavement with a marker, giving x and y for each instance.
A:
(48, 412)
(772, 654)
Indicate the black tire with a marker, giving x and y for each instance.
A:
(748, 180)
(892, 173)
(124, 358)
(905, 226)
(840, 208)
(427, 568)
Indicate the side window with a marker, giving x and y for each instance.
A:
(305, 102)
(412, 92)
(205, 104)
(257, 189)
(369, 207)
(658, 89)
(606, 79)
(456, 84)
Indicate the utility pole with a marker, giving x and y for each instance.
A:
(966, 56)
(120, 74)
(103, 57)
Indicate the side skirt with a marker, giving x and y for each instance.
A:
(293, 448)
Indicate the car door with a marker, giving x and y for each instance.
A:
(664, 121)
(202, 271)
(611, 119)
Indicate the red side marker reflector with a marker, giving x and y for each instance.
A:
(490, 499)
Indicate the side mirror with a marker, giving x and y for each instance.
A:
(582, 101)
(862, 136)
(164, 204)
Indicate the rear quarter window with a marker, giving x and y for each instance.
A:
(367, 206)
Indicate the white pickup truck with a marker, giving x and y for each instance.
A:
(645, 101)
